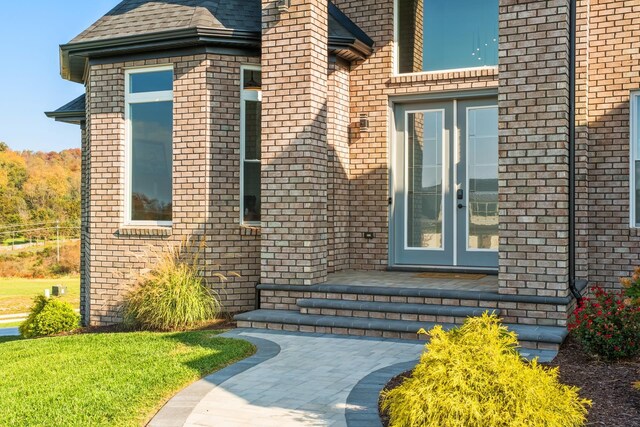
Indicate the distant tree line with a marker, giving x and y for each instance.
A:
(38, 187)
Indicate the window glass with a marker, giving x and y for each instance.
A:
(251, 134)
(438, 35)
(482, 175)
(151, 161)
(153, 81)
(251, 79)
(252, 192)
(424, 198)
(252, 130)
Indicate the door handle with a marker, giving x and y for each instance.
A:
(460, 206)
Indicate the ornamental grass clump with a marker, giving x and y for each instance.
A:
(49, 316)
(173, 294)
(473, 376)
(607, 325)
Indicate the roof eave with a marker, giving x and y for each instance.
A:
(71, 117)
(74, 56)
(350, 49)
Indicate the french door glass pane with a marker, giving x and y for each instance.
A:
(482, 171)
(424, 175)
(151, 161)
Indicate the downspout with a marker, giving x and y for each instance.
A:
(572, 150)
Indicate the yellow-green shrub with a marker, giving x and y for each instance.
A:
(49, 316)
(474, 377)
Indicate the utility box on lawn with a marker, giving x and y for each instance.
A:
(59, 290)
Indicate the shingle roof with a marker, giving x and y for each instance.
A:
(140, 26)
(132, 17)
(135, 17)
(72, 112)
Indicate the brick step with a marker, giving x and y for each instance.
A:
(397, 294)
(391, 311)
(530, 336)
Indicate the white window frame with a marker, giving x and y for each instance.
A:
(396, 54)
(139, 98)
(634, 141)
(246, 95)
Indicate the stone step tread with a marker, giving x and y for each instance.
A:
(544, 334)
(393, 307)
(419, 292)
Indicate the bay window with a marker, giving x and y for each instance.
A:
(149, 141)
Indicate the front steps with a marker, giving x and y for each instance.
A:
(395, 312)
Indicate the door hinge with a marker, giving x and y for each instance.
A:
(390, 201)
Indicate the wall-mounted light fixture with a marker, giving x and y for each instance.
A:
(283, 5)
(364, 121)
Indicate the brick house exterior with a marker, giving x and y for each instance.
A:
(331, 99)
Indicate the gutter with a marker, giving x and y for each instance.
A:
(572, 150)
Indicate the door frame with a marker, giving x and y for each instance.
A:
(394, 101)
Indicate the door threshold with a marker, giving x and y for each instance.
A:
(443, 269)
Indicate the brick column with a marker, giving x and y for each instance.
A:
(294, 143)
(534, 147)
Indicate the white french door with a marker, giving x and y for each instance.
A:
(445, 186)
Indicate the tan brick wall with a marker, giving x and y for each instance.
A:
(85, 241)
(372, 85)
(294, 143)
(338, 184)
(533, 166)
(581, 141)
(205, 180)
(613, 71)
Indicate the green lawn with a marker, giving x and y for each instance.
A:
(16, 294)
(104, 379)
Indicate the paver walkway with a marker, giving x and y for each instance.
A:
(299, 380)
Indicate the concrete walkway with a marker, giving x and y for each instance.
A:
(294, 380)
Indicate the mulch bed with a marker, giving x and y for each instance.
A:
(609, 385)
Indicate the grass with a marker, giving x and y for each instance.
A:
(118, 379)
(16, 295)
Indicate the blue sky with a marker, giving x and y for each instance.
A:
(30, 82)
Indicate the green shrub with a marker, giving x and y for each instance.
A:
(606, 325)
(49, 316)
(173, 294)
(473, 376)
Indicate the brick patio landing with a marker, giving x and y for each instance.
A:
(397, 279)
(398, 304)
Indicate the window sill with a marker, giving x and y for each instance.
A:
(249, 230)
(488, 72)
(141, 231)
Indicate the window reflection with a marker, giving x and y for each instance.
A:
(446, 34)
(483, 178)
(424, 198)
(151, 161)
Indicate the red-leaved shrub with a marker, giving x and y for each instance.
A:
(606, 325)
